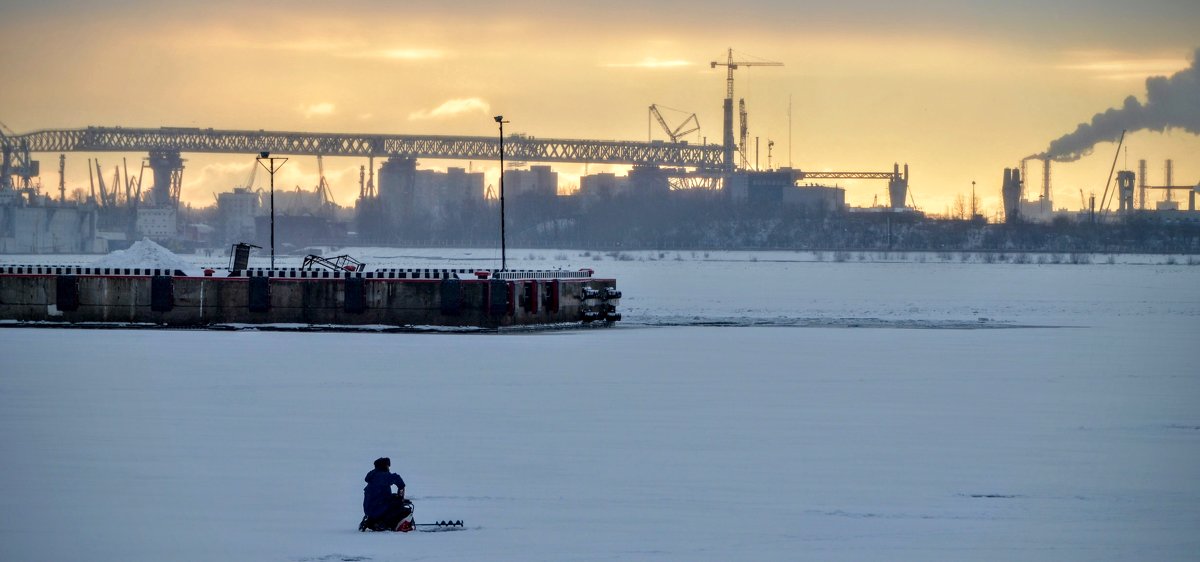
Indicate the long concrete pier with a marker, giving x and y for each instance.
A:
(395, 297)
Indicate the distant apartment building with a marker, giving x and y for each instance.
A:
(605, 185)
(463, 186)
(412, 201)
(537, 180)
(639, 182)
(403, 188)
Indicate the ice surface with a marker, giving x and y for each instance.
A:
(657, 439)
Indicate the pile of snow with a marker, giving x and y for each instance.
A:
(144, 253)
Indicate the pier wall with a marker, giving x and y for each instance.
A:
(167, 299)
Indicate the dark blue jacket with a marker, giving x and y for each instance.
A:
(377, 496)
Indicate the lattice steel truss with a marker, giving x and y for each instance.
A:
(799, 175)
(516, 147)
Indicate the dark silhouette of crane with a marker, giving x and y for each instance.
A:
(743, 132)
(324, 192)
(730, 66)
(678, 132)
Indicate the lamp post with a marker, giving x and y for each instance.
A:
(503, 243)
(264, 155)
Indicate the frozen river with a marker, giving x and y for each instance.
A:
(752, 406)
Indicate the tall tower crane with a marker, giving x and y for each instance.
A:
(730, 66)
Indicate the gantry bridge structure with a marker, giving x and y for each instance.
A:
(516, 147)
(165, 146)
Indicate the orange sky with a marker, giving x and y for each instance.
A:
(959, 90)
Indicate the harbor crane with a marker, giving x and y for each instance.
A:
(679, 132)
(324, 193)
(17, 162)
(727, 109)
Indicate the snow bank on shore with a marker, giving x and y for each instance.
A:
(144, 253)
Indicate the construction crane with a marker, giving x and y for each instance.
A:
(128, 193)
(743, 132)
(136, 188)
(730, 66)
(250, 180)
(114, 197)
(679, 132)
(62, 178)
(1104, 198)
(324, 194)
(91, 183)
(106, 200)
(17, 162)
(370, 190)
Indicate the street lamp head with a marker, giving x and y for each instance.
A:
(499, 118)
(264, 154)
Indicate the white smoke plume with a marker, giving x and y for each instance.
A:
(1170, 103)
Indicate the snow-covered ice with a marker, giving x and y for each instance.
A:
(705, 427)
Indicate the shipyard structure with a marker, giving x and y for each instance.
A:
(398, 202)
(1131, 192)
(669, 185)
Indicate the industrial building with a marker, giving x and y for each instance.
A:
(235, 215)
(778, 188)
(1129, 190)
(44, 227)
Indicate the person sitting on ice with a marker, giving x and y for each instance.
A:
(382, 509)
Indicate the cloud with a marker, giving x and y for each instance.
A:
(649, 63)
(411, 54)
(1128, 69)
(400, 54)
(317, 110)
(451, 108)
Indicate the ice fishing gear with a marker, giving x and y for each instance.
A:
(440, 526)
(408, 523)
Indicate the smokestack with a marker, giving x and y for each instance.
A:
(1141, 184)
(898, 187)
(1011, 193)
(1169, 179)
(1125, 191)
(1046, 181)
(1170, 103)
